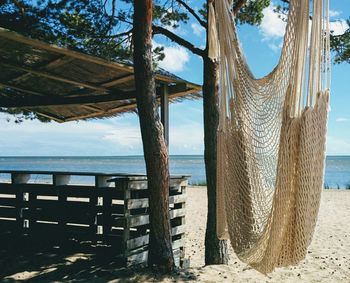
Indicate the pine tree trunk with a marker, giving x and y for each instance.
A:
(154, 147)
(215, 249)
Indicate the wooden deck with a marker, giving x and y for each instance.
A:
(110, 212)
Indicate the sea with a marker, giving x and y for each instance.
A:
(337, 173)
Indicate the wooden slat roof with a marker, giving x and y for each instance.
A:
(65, 85)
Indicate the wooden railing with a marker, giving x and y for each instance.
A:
(111, 211)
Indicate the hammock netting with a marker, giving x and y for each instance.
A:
(271, 138)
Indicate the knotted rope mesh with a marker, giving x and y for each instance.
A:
(271, 138)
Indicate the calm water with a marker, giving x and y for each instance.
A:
(337, 167)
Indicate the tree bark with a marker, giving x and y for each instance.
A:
(154, 147)
(215, 249)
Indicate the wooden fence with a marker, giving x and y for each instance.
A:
(111, 212)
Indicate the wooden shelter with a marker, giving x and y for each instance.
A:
(65, 85)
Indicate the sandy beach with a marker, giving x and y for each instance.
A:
(328, 258)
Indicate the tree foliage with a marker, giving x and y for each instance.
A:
(103, 27)
(83, 25)
(340, 44)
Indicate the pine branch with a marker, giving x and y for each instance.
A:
(238, 6)
(122, 34)
(179, 40)
(193, 13)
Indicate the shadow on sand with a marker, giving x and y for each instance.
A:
(43, 260)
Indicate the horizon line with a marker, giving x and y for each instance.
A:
(134, 155)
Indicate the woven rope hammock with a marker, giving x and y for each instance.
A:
(271, 138)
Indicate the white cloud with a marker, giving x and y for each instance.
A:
(175, 59)
(186, 138)
(272, 26)
(337, 146)
(96, 137)
(197, 29)
(333, 13)
(338, 27)
(110, 137)
(275, 46)
(339, 120)
(125, 135)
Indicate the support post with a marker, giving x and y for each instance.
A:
(101, 183)
(20, 179)
(164, 109)
(60, 182)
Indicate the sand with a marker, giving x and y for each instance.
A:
(328, 258)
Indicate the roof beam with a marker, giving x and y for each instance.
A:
(118, 81)
(109, 112)
(43, 100)
(67, 101)
(3, 85)
(48, 66)
(49, 116)
(54, 77)
(183, 93)
(91, 107)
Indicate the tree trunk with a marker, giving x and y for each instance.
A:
(154, 147)
(215, 249)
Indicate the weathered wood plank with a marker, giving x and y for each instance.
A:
(70, 216)
(137, 258)
(138, 220)
(177, 230)
(9, 189)
(7, 202)
(177, 213)
(36, 188)
(55, 205)
(177, 183)
(143, 203)
(177, 257)
(137, 203)
(137, 242)
(138, 185)
(8, 212)
(177, 199)
(178, 244)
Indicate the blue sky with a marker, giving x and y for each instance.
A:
(121, 135)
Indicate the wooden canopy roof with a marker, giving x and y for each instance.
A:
(65, 85)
